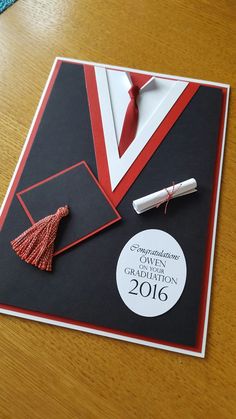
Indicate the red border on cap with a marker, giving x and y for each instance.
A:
(92, 233)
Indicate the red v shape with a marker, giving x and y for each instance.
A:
(142, 159)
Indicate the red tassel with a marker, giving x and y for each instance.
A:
(36, 245)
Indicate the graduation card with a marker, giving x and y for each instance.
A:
(109, 222)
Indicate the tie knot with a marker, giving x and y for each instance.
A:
(133, 92)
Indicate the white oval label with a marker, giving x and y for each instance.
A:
(151, 273)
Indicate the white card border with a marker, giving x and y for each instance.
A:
(201, 353)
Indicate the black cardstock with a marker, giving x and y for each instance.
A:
(89, 209)
(82, 286)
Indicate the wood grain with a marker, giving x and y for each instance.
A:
(48, 372)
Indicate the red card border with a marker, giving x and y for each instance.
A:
(118, 217)
(203, 315)
(92, 328)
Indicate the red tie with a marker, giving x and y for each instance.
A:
(130, 121)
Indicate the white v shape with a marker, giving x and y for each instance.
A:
(156, 98)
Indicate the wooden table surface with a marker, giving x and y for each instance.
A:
(49, 372)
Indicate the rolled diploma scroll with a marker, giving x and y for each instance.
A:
(154, 199)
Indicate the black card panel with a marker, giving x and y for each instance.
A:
(83, 284)
(89, 209)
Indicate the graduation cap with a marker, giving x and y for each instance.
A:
(64, 209)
